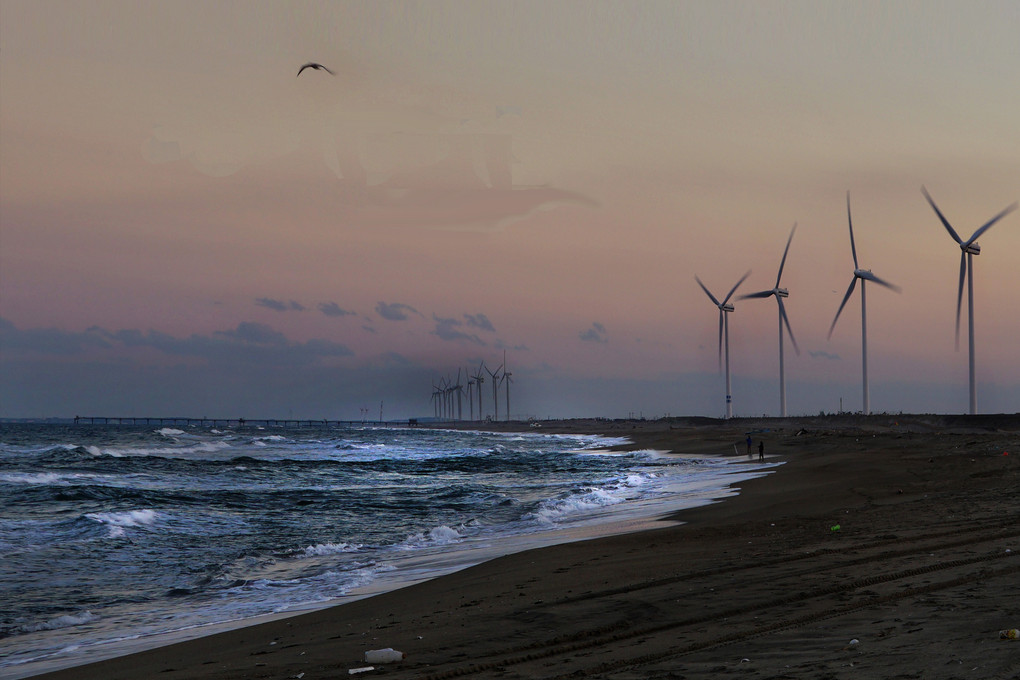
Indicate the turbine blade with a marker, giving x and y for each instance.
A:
(987, 225)
(785, 319)
(707, 292)
(849, 220)
(783, 262)
(945, 222)
(959, 296)
(760, 294)
(849, 292)
(871, 277)
(734, 289)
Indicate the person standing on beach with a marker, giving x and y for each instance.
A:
(749, 443)
(761, 450)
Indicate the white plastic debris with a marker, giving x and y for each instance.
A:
(355, 671)
(388, 655)
(855, 641)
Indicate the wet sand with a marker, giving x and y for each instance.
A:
(884, 547)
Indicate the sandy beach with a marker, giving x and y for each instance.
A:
(884, 547)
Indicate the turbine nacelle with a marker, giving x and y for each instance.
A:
(781, 292)
(970, 248)
(727, 307)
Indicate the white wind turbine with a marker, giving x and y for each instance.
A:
(779, 294)
(471, 404)
(506, 379)
(864, 275)
(436, 392)
(724, 331)
(969, 248)
(479, 378)
(458, 390)
(495, 390)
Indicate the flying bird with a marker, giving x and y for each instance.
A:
(317, 67)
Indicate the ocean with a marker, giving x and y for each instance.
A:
(114, 538)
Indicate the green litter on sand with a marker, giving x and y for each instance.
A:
(835, 527)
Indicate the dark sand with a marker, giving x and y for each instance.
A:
(916, 583)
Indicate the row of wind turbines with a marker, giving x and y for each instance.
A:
(969, 249)
(448, 394)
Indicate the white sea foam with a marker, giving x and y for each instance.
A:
(65, 621)
(170, 432)
(441, 535)
(556, 510)
(331, 549)
(31, 478)
(119, 521)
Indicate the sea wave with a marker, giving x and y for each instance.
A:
(323, 549)
(64, 621)
(120, 521)
(441, 535)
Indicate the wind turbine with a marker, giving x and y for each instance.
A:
(435, 399)
(506, 379)
(458, 389)
(779, 294)
(969, 248)
(471, 403)
(444, 385)
(864, 275)
(479, 379)
(724, 330)
(495, 388)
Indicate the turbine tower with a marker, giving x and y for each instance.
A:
(724, 330)
(495, 391)
(969, 248)
(779, 294)
(479, 378)
(435, 399)
(506, 379)
(864, 275)
(458, 390)
(471, 403)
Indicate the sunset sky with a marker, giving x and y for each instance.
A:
(187, 228)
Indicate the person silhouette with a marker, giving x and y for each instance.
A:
(749, 444)
(761, 450)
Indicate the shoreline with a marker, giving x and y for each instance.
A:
(927, 494)
(416, 567)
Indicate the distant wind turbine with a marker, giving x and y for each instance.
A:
(495, 392)
(864, 275)
(471, 403)
(436, 392)
(479, 378)
(506, 379)
(779, 294)
(724, 331)
(969, 248)
(458, 390)
(317, 67)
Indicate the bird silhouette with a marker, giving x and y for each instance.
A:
(317, 67)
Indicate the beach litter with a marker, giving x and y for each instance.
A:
(1009, 634)
(835, 527)
(388, 655)
(364, 669)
